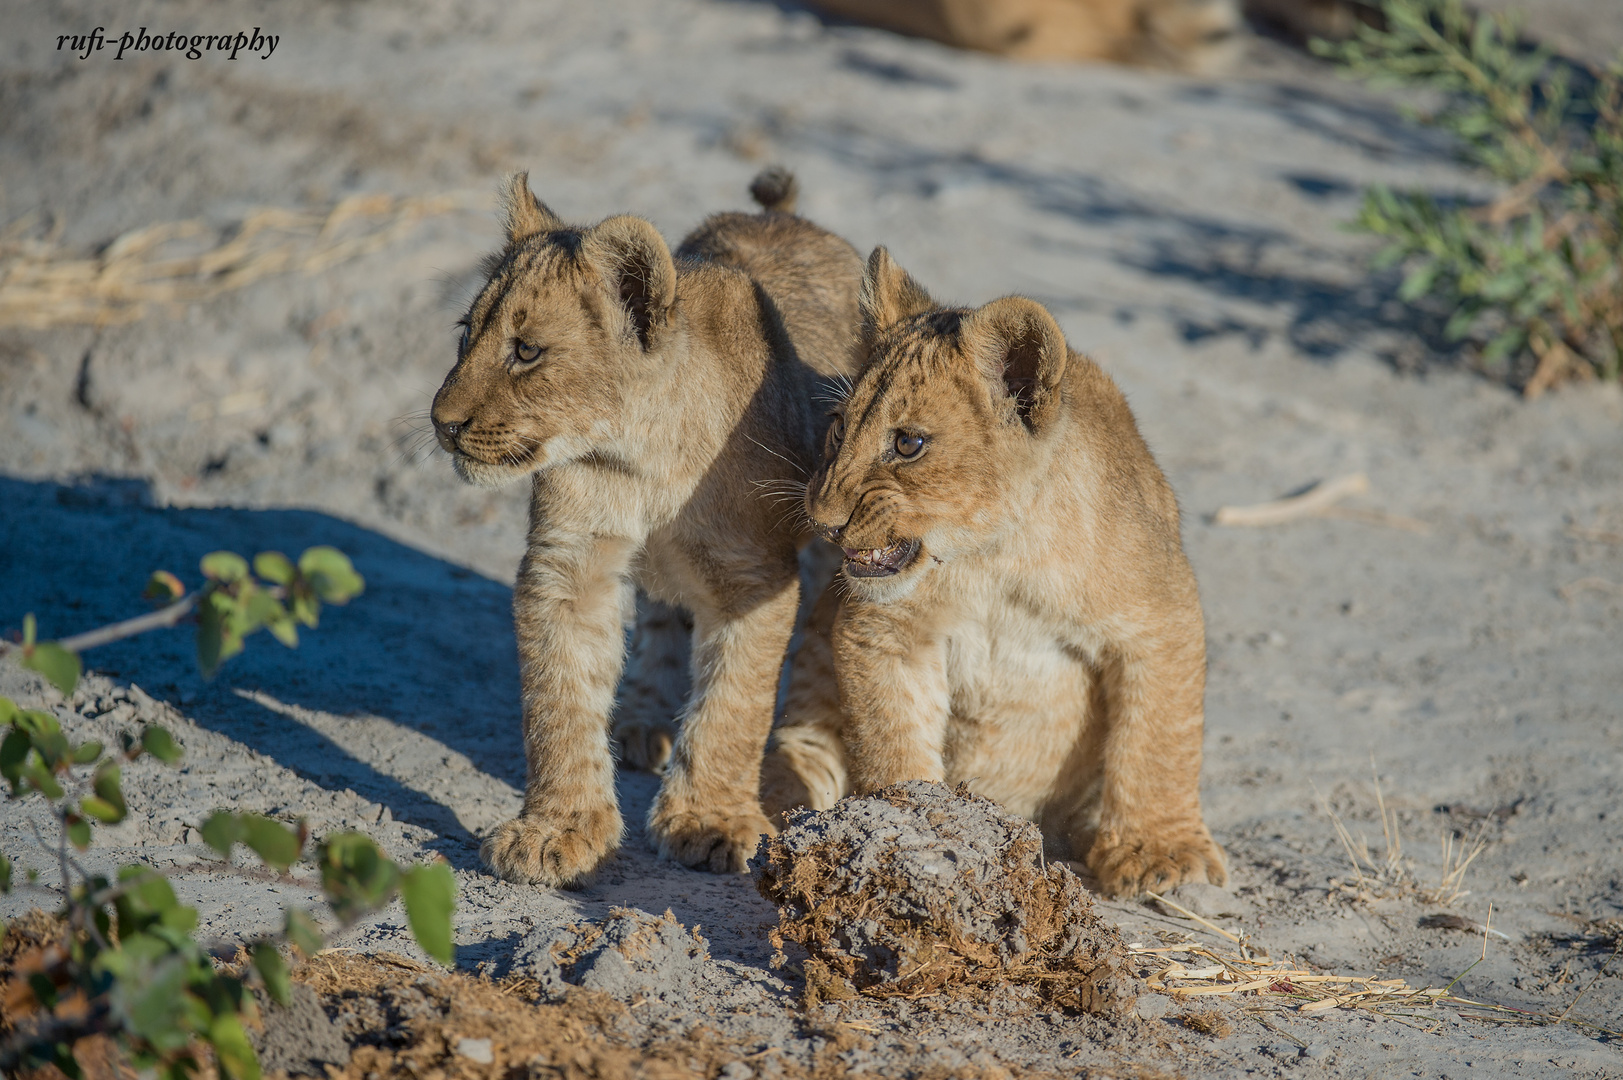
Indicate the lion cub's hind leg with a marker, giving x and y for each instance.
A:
(655, 687)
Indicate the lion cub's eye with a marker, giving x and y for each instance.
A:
(526, 353)
(462, 346)
(909, 445)
(836, 431)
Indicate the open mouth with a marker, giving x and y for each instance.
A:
(881, 562)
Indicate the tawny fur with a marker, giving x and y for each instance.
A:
(651, 400)
(1182, 35)
(1045, 643)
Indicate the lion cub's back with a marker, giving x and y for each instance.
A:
(811, 275)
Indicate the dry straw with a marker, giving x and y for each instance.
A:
(180, 262)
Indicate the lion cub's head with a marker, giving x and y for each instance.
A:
(950, 414)
(561, 332)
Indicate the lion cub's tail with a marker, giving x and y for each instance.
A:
(775, 188)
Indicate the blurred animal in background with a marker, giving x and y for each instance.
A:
(1197, 36)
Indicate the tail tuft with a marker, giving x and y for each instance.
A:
(775, 188)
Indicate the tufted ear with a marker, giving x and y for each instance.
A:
(524, 214)
(1021, 349)
(889, 294)
(631, 256)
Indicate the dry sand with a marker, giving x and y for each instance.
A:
(1185, 232)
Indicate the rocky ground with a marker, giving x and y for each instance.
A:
(1454, 635)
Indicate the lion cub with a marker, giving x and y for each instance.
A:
(1017, 610)
(650, 400)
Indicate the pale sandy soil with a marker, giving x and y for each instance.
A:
(1187, 233)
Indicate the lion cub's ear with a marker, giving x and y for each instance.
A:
(524, 214)
(889, 294)
(635, 262)
(1022, 350)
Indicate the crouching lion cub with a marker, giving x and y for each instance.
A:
(1017, 610)
(650, 400)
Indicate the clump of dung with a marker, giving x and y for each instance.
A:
(918, 888)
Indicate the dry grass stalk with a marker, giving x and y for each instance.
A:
(1303, 991)
(1392, 874)
(42, 285)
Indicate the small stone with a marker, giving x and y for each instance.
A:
(1316, 1050)
(737, 1070)
(475, 1050)
(1152, 1006)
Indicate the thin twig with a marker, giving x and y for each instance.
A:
(1313, 501)
(156, 620)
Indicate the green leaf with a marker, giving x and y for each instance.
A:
(29, 630)
(5, 874)
(274, 567)
(59, 666)
(219, 631)
(79, 832)
(304, 605)
(37, 722)
(101, 810)
(41, 780)
(86, 752)
(222, 830)
(163, 587)
(8, 710)
(429, 891)
(231, 1048)
(224, 566)
(276, 845)
(268, 962)
(330, 574)
(161, 745)
(108, 788)
(355, 876)
(13, 753)
(302, 931)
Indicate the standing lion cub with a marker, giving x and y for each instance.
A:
(1017, 610)
(650, 400)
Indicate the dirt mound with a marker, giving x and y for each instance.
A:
(628, 956)
(919, 887)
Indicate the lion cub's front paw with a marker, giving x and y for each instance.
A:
(557, 852)
(719, 841)
(645, 745)
(1128, 864)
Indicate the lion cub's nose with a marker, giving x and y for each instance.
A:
(831, 533)
(446, 432)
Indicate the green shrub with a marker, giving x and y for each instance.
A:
(1535, 276)
(130, 967)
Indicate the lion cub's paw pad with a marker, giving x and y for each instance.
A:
(719, 842)
(540, 851)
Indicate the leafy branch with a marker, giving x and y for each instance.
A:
(1538, 271)
(128, 966)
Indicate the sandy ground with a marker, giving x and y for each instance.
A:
(1464, 648)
